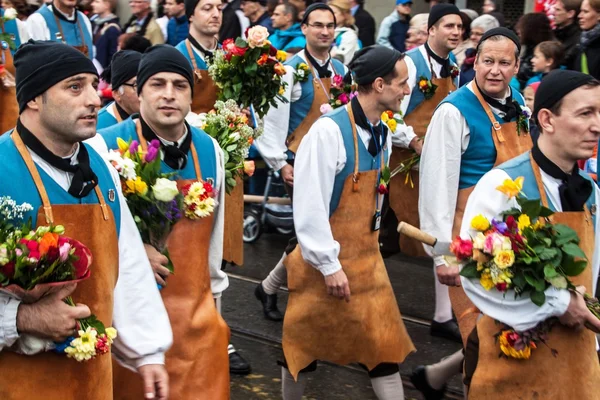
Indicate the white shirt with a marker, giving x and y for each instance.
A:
(521, 314)
(144, 331)
(218, 279)
(38, 29)
(271, 144)
(320, 157)
(439, 171)
(22, 31)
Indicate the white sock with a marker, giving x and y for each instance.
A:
(230, 349)
(292, 390)
(440, 373)
(388, 387)
(276, 277)
(443, 308)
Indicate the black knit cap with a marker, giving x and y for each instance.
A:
(42, 64)
(163, 58)
(501, 31)
(190, 6)
(556, 85)
(439, 11)
(314, 7)
(123, 66)
(370, 63)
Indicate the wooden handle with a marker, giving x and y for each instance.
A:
(416, 234)
(249, 198)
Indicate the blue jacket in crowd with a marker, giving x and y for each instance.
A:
(177, 30)
(291, 38)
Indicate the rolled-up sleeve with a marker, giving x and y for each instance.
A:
(8, 320)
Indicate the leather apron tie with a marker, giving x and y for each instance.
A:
(9, 108)
(83, 47)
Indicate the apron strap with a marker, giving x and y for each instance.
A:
(144, 144)
(495, 124)
(62, 33)
(188, 45)
(117, 115)
(354, 136)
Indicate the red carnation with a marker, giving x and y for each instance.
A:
(208, 187)
(511, 223)
(501, 287)
(461, 248)
(272, 51)
(8, 270)
(185, 189)
(382, 189)
(102, 346)
(238, 51)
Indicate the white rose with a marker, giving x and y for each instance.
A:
(128, 169)
(10, 13)
(479, 241)
(257, 36)
(165, 190)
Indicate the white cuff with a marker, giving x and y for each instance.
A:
(561, 302)
(330, 269)
(278, 164)
(157, 358)
(440, 260)
(9, 322)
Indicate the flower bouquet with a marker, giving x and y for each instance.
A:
(340, 94)
(393, 120)
(9, 14)
(526, 253)
(229, 126)
(36, 263)
(249, 72)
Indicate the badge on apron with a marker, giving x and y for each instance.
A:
(111, 195)
(376, 221)
(593, 209)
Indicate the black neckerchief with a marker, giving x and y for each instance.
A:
(84, 179)
(510, 108)
(444, 62)
(574, 191)
(361, 120)
(122, 113)
(208, 54)
(323, 71)
(174, 155)
(133, 20)
(60, 15)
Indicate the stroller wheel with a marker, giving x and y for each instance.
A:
(252, 226)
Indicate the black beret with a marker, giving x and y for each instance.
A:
(123, 66)
(372, 62)
(501, 31)
(439, 11)
(556, 85)
(314, 7)
(163, 58)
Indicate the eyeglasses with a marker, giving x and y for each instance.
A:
(319, 26)
(131, 85)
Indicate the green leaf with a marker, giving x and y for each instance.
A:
(519, 281)
(241, 43)
(571, 267)
(537, 283)
(531, 207)
(169, 265)
(538, 298)
(546, 212)
(559, 282)
(573, 250)
(550, 272)
(565, 234)
(470, 270)
(547, 253)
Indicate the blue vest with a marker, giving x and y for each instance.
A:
(16, 181)
(69, 29)
(199, 61)
(11, 28)
(366, 161)
(480, 155)
(417, 97)
(105, 119)
(202, 142)
(521, 166)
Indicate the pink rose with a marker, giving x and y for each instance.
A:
(325, 108)
(64, 251)
(338, 80)
(343, 98)
(461, 248)
(257, 36)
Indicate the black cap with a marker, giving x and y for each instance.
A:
(163, 58)
(556, 85)
(372, 62)
(501, 31)
(42, 64)
(190, 6)
(123, 66)
(314, 7)
(439, 11)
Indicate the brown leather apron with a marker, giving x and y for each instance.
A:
(509, 144)
(574, 373)
(51, 376)
(198, 362)
(368, 329)
(9, 108)
(404, 198)
(321, 90)
(205, 90)
(83, 47)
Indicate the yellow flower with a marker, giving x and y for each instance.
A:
(111, 334)
(281, 90)
(511, 188)
(480, 223)
(538, 224)
(281, 55)
(137, 186)
(384, 117)
(423, 84)
(511, 352)
(486, 280)
(302, 66)
(523, 222)
(83, 348)
(392, 124)
(504, 258)
(123, 145)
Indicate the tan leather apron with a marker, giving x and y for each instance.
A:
(205, 90)
(508, 145)
(9, 108)
(321, 90)
(368, 329)
(198, 362)
(404, 198)
(574, 373)
(51, 376)
(83, 47)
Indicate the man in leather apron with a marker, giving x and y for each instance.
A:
(57, 96)
(286, 125)
(341, 307)
(474, 129)
(121, 73)
(568, 115)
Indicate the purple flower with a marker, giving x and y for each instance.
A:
(155, 143)
(151, 154)
(133, 147)
(500, 226)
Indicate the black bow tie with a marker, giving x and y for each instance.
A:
(175, 156)
(84, 179)
(510, 108)
(322, 70)
(376, 143)
(444, 62)
(208, 54)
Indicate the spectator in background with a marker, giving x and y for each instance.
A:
(546, 57)
(417, 31)
(105, 30)
(566, 28)
(143, 22)
(133, 41)
(234, 21)
(529, 96)
(364, 22)
(256, 12)
(533, 29)
(491, 7)
(394, 28)
(479, 26)
(465, 41)
(178, 26)
(288, 34)
(588, 59)
(346, 39)
(162, 19)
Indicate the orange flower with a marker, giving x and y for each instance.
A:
(279, 69)
(390, 114)
(423, 84)
(249, 167)
(263, 59)
(250, 141)
(48, 241)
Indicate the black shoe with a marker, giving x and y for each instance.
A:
(237, 364)
(419, 380)
(269, 303)
(448, 330)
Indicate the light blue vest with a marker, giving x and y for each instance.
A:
(16, 182)
(70, 30)
(480, 155)
(199, 61)
(202, 142)
(521, 166)
(417, 97)
(105, 119)
(11, 28)
(366, 161)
